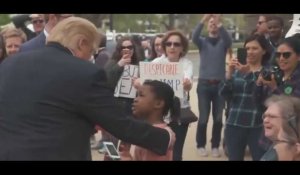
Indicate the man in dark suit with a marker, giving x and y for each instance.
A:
(40, 40)
(51, 99)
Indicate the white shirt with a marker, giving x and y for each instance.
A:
(187, 66)
(46, 33)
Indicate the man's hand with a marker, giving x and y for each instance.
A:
(205, 18)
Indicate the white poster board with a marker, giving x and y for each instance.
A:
(125, 87)
(170, 73)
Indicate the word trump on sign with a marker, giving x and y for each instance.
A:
(125, 87)
(170, 73)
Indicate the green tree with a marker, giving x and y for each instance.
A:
(4, 19)
(135, 22)
(94, 18)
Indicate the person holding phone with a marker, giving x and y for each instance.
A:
(288, 58)
(244, 123)
(213, 50)
(49, 111)
(125, 54)
(111, 151)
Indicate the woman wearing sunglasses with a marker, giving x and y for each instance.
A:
(287, 57)
(286, 111)
(125, 54)
(175, 46)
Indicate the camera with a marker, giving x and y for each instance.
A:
(273, 70)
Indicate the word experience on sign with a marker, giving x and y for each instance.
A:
(125, 87)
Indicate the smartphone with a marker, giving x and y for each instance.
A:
(242, 55)
(111, 150)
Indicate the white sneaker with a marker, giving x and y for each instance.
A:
(202, 152)
(215, 152)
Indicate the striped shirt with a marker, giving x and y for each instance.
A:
(243, 110)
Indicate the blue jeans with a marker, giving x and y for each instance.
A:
(237, 138)
(207, 95)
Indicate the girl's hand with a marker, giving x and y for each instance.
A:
(124, 151)
(187, 84)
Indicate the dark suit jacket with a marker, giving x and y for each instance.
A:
(50, 102)
(35, 43)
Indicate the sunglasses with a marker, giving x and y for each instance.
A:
(38, 21)
(285, 55)
(175, 44)
(127, 47)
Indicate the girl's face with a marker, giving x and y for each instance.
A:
(145, 102)
(272, 121)
(174, 48)
(286, 58)
(254, 52)
(127, 48)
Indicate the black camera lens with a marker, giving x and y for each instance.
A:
(266, 75)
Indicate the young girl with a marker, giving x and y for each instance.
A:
(154, 101)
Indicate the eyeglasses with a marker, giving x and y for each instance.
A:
(175, 44)
(277, 141)
(293, 124)
(269, 116)
(260, 22)
(285, 55)
(127, 47)
(37, 21)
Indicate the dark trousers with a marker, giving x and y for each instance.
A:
(207, 95)
(237, 138)
(180, 132)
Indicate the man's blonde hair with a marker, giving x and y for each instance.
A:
(70, 30)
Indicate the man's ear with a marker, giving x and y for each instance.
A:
(81, 43)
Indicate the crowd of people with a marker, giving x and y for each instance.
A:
(57, 89)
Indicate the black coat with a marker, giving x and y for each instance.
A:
(50, 102)
(35, 43)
